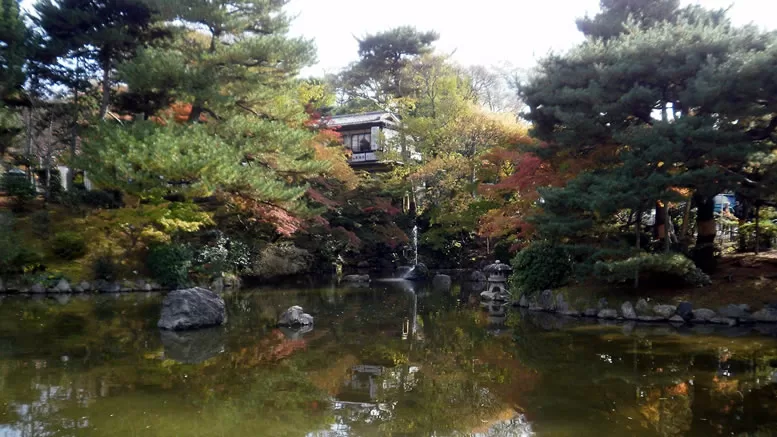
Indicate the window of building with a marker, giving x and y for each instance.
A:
(361, 143)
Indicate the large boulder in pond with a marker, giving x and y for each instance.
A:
(192, 308)
(191, 347)
(295, 316)
(419, 272)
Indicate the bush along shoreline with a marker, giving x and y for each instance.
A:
(643, 311)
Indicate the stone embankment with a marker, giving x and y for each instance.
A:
(644, 311)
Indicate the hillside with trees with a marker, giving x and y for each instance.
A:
(178, 141)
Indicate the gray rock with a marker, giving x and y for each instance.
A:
(148, 287)
(602, 303)
(642, 307)
(651, 318)
(676, 319)
(523, 301)
(295, 316)
(418, 273)
(487, 296)
(734, 311)
(561, 305)
(85, 286)
(685, 310)
(442, 282)
(703, 315)
(62, 286)
(110, 287)
(665, 311)
(627, 310)
(547, 301)
(607, 313)
(191, 347)
(590, 312)
(37, 288)
(766, 315)
(723, 321)
(356, 278)
(477, 276)
(192, 308)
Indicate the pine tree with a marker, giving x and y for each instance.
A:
(14, 51)
(643, 102)
(82, 38)
(614, 15)
(378, 77)
(237, 130)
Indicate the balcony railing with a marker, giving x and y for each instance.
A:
(364, 157)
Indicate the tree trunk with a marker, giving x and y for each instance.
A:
(73, 130)
(197, 108)
(686, 218)
(637, 232)
(106, 89)
(757, 227)
(744, 213)
(704, 253)
(660, 222)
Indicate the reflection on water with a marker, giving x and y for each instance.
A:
(388, 360)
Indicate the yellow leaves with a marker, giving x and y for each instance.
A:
(152, 235)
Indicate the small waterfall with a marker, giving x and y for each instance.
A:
(409, 272)
(415, 245)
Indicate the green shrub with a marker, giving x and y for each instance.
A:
(68, 245)
(223, 255)
(767, 231)
(106, 268)
(18, 187)
(282, 260)
(15, 257)
(669, 268)
(40, 224)
(170, 263)
(539, 267)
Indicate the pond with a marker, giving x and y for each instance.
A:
(386, 360)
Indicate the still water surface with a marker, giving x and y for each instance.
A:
(381, 361)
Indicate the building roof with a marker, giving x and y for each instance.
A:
(364, 118)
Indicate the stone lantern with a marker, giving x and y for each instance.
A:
(497, 274)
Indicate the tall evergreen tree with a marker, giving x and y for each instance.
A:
(238, 128)
(84, 37)
(611, 21)
(378, 77)
(642, 103)
(14, 51)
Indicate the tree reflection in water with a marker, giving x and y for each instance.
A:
(385, 360)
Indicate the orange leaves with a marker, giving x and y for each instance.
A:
(178, 112)
(283, 221)
(381, 204)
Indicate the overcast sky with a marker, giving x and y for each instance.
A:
(484, 32)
